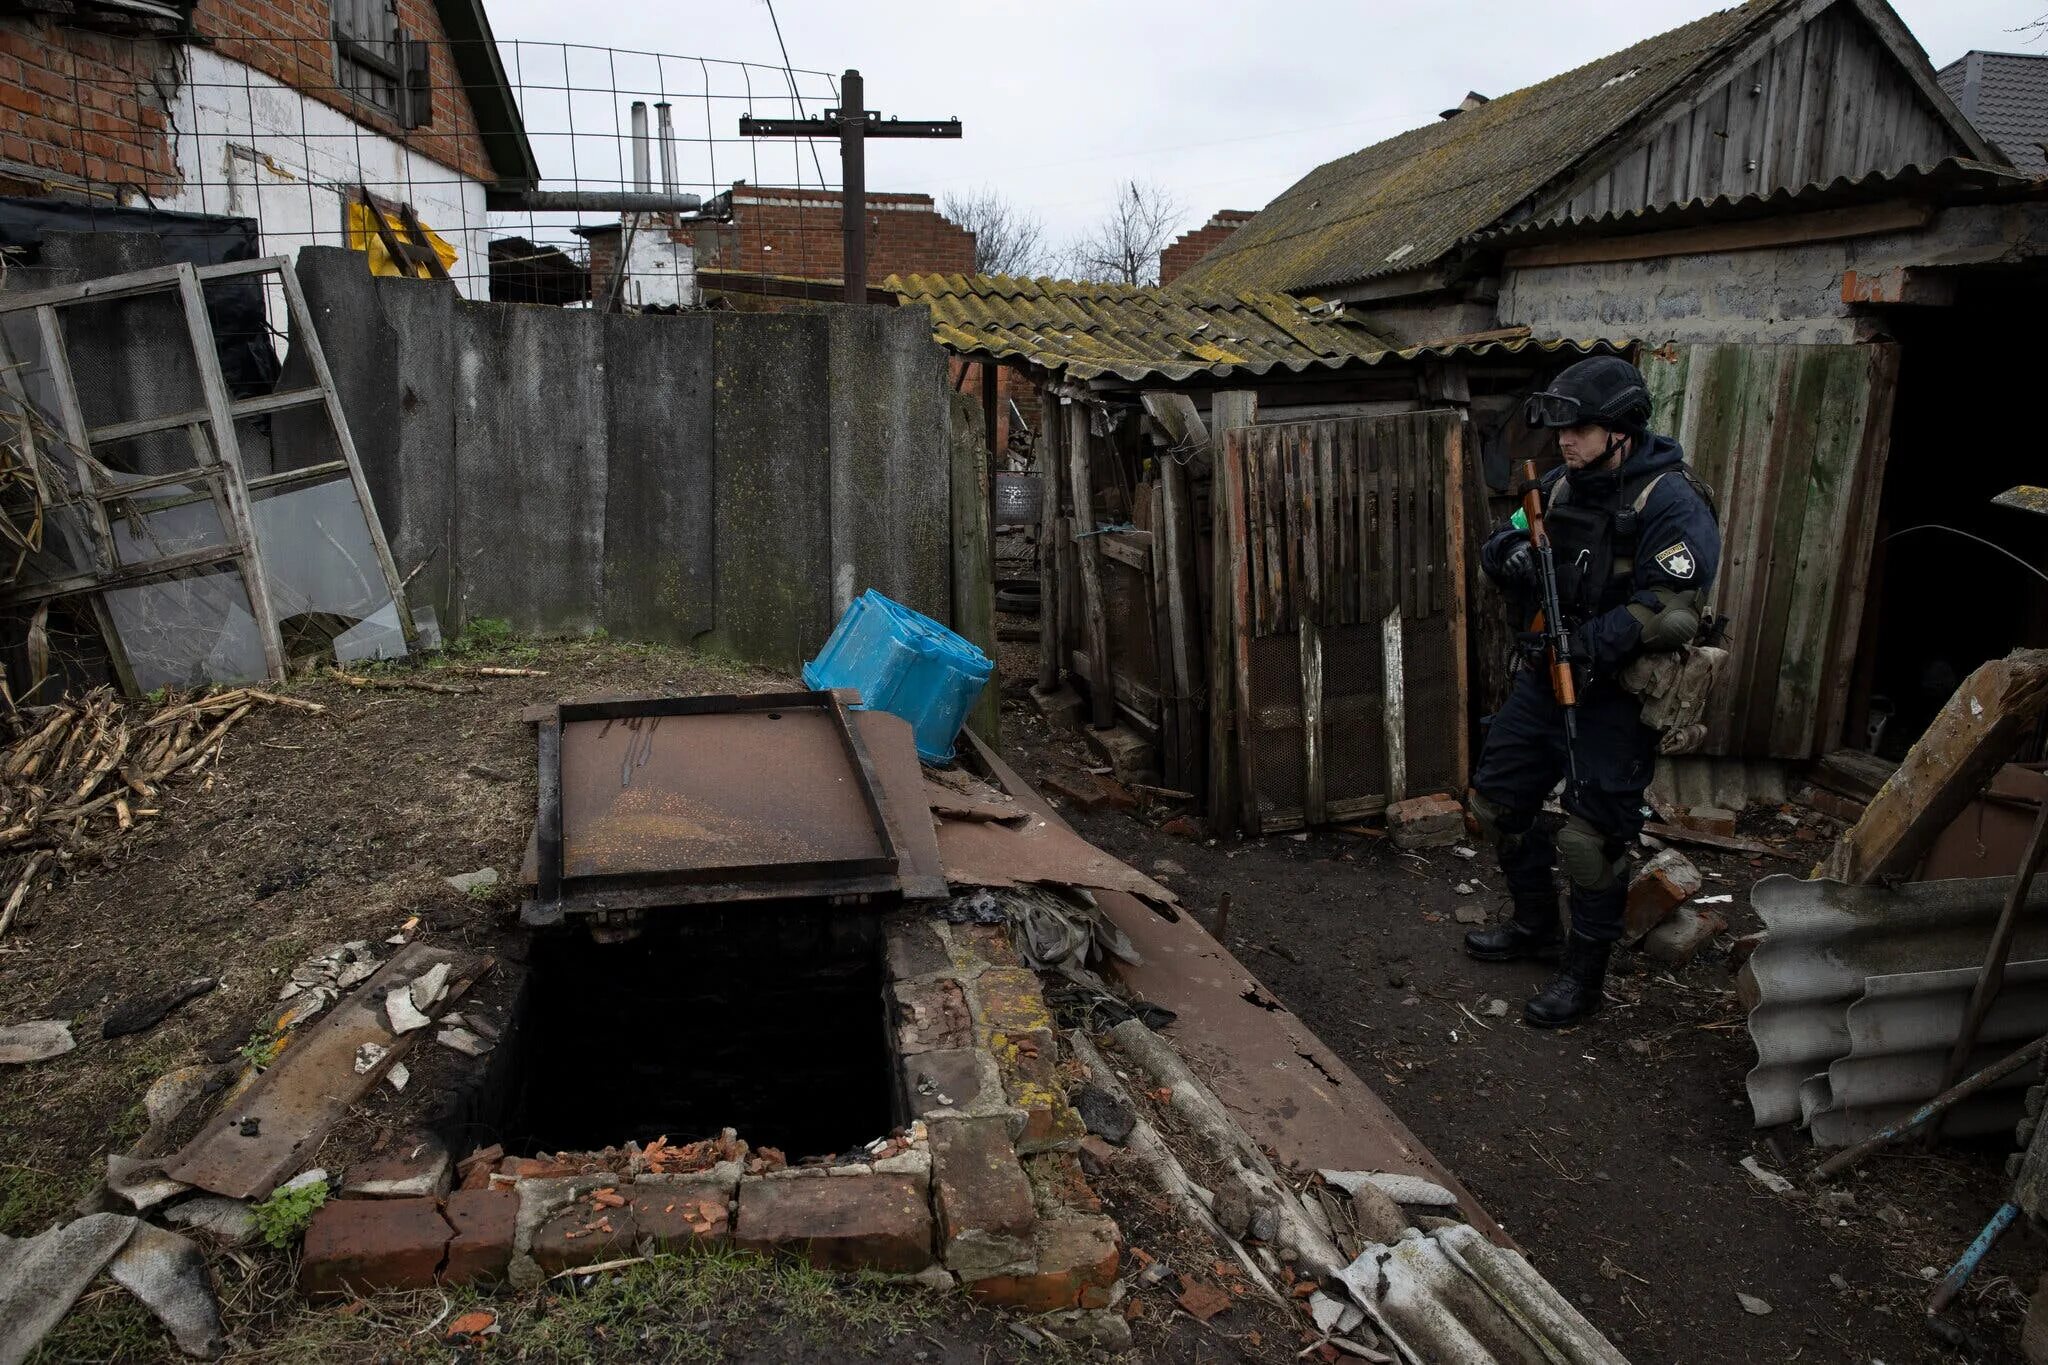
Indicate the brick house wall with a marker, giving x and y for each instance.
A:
(1190, 247)
(782, 231)
(83, 108)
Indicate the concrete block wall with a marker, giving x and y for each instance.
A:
(1789, 294)
(729, 480)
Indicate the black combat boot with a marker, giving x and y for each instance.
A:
(1532, 932)
(1577, 992)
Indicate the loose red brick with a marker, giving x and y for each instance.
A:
(584, 1234)
(1077, 1263)
(875, 1222)
(1425, 822)
(680, 1214)
(357, 1245)
(981, 1194)
(484, 1223)
(1664, 884)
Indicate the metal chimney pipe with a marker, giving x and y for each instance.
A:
(642, 175)
(665, 130)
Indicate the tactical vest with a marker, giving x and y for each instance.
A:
(1595, 546)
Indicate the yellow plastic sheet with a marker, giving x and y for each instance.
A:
(362, 236)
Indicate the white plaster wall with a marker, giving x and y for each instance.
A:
(250, 146)
(660, 272)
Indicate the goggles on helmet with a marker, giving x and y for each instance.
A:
(1553, 410)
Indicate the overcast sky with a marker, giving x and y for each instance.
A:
(1223, 104)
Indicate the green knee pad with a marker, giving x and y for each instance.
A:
(1582, 852)
(1494, 822)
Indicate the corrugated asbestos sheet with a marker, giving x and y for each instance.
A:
(1900, 1034)
(1084, 330)
(1871, 981)
(1134, 331)
(1793, 440)
(1404, 202)
(1454, 1296)
(1948, 177)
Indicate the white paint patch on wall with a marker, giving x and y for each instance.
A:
(249, 146)
(660, 271)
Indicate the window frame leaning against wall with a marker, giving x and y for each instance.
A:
(378, 64)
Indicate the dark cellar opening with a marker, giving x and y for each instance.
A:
(767, 1017)
(1940, 603)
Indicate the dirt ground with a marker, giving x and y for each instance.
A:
(314, 830)
(1610, 1151)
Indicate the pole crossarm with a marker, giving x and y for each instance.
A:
(852, 129)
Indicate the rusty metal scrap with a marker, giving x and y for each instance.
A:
(267, 1131)
(659, 802)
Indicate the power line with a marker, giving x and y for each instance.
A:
(800, 110)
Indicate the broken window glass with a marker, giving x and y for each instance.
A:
(190, 630)
(321, 566)
(173, 520)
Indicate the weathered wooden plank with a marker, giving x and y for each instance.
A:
(1181, 673)
(1859, 542)
(1162, 629)
(1394, 707)
(1087, 553)
(1976, 732)
(1230, 410)
(1456, 557)
(1309, 490)
(1050, 429)
(974, 606)
(1238, 455)
(1790, 452)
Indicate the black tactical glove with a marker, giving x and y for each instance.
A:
(1519, 564)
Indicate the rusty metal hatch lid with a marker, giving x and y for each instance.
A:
(652, 802)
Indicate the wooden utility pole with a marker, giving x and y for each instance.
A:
(852, 124)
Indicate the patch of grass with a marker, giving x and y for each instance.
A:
(285, 1214)
(32, 1198)
(106, 1324)
(709, 1305)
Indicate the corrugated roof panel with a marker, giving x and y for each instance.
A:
(1900, 1035)
(1404, 202)
(1825, 942)
(1950, 174)
(1088, 329)
(1452, 1295)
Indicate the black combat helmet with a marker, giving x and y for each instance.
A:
(1602, 389)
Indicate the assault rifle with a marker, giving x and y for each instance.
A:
(1549, 622)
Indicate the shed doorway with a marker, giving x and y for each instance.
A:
(1956, 579)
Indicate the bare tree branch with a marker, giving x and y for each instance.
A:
(1007, 240)
(1124, 246)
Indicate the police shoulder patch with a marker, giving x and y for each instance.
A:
(1677, 560)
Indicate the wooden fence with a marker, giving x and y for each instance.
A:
(1346, 584)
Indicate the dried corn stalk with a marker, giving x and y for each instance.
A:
(88, 767)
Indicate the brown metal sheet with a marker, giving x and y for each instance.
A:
(674, 793)
(293, 1104)
(983, 853)
(1266, 1066)
(893, 750)
(958, 805)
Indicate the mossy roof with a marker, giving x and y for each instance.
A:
(1405, 202)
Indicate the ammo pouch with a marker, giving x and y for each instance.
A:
(1674, 687)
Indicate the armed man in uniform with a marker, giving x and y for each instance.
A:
(1635, 547)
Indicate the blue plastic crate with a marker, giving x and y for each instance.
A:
(907, 664)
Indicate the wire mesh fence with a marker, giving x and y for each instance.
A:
(316, 139)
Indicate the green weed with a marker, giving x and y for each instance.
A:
(285, 1214)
